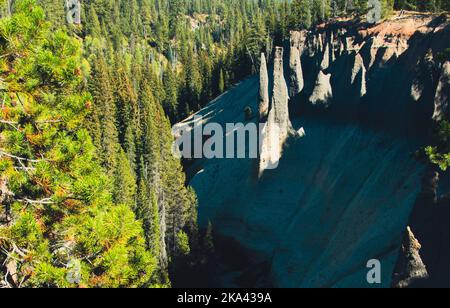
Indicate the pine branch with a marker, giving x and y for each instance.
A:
(7, 55)
(20, 159)
(8, 122)
(12, 124)
(36, 122)
(45, 201)
(26, 169)
(48, 122)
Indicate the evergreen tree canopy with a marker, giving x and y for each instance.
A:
(56, 204)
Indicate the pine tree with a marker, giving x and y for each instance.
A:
(55, 12)
(221, 85)
(63, 229)
(124, 191)
(104, 114)
(301, 17)
(171, 97)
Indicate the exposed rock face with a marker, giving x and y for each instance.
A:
(326, 58)
(442, 93)
(263, 88)
(323, 92)
(359, 70)
(341, 47)
(373, 50)
(410, 267)
(320, 43)
(296, 72)
(343, 194)
(332, 42)
(278, 123)
(270, 148)
(416, 90)
(297, 39)
(392, 60)
(429, 220)
(279, 112)
(349, 44)
(73, 8)
(357, 67)
(363, 86)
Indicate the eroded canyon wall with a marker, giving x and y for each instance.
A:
(346, 192)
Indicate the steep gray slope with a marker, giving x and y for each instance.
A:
(340, 197)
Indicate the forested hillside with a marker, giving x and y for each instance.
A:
(194, 50)
(90, 193)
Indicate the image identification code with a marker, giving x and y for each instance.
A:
(229, 297)
(246, 298)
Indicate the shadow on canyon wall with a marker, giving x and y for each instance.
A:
(345, 192)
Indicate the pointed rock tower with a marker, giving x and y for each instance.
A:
(410, 268)
(263, 89)
(319, 42)
(326, 58)
(332, 47)
(278, 126)
(295, 65)
(279, 113)
(323, 92)
(359, 74)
